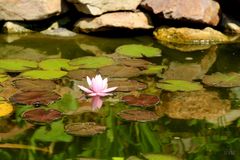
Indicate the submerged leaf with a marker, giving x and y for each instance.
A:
(17, 65)
(43, 74)
(34, 85)
(179, 85)
(84, 129)
(56, 64)
(140, 63)
(81, 73)
(91, 62)
(127, 85)
(143, 100)
(138, 115)
(138, 51)
(231, 79)
(35, 97)
(3, 77)
(41, 115)
(5, 109)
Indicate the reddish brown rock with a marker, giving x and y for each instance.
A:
(204, 11)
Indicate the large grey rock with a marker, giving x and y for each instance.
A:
(30, 9)
(97, 7)
(204, 11)
(130, 20)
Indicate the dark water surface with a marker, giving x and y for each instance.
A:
(179, 136)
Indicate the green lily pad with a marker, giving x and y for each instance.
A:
(91, 62)
(154, 69)
(3, 77)
(17, 65)
(43, 74)
(56, 64)
(179, 85)
(159, 156)
(231, 79)
(138, 51)
(2, 70)
(84, 129)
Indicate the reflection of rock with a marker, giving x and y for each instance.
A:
(91, 49)
(97, 7)
(191, 71)
(62, 32)
(183, 35)
(194, 105)
(205, 11)
(30, 10)
(11, 51)
(13, 27)
(129, 20)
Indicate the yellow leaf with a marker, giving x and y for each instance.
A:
(5, 109)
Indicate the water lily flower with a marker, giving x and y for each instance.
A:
(98, 88)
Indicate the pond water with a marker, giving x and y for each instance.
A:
(172, 105)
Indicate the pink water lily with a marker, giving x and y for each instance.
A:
(98, 88)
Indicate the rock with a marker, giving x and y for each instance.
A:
(14, 27)
(204, 11)
(98, 7)
(230, 25)
(129, 20)
(30, 10)
(62, 32)
(190, 36)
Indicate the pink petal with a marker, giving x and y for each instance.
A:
(97, 84)
(85, 89)
(109, 89)
(89, 81)
(96, 102)
(105, 83)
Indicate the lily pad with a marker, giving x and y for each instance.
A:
(179, 85)
(81, 73)
(35, 97)
(41, 115)
(17, 65)
(43, 74)
(231, 79)
(92, 62)
(3, 77)
(138, 115)
(34, 85)
(56, 64)
(159, 157)
(5, 109)
(84, 129)
(154, 69)
(143, 100)
(138, 51)
(140, 63)
(119, 71)
(127, 85)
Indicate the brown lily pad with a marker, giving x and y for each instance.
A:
(127, 85)
(140, 63)
(143, 100)
(34, 85)
(118, 71)
(35, 97)
(138, 115)
(81, 73)
(41, 115)
(193, 105)
(84, 129)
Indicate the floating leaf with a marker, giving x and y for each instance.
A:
(138, 115)
(81, 73)
(41, 115)
(34, 85)
(140, 63)
(154, 69)
(231, 79)
(143, 100)
(35, 97)
(42, 74)
(56, 64)
(92, 62)
(179, 85)
(138, 51)
(127, 85)
(159, 157)
(5, 109)
(119, 71)
(84, 129)
(53, 133)
(16, 65)
(3, 77)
